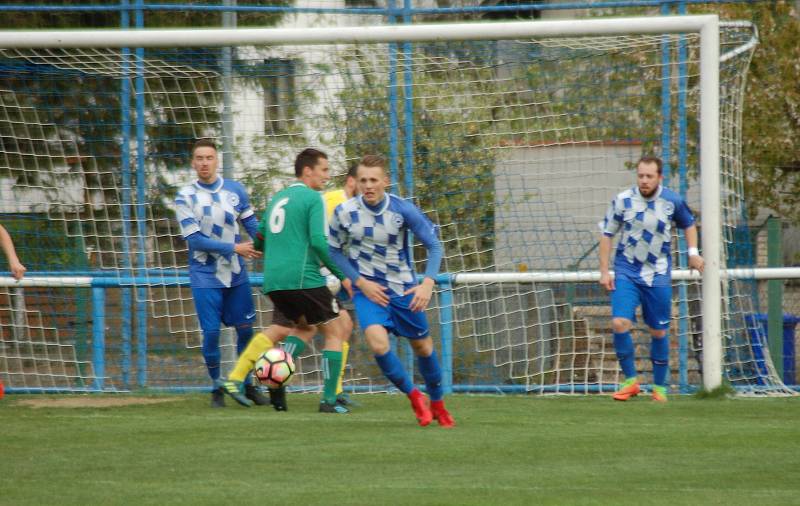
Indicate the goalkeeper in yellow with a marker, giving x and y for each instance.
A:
(293, 238)
(332, 200)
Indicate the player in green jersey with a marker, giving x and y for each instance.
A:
(292, 236)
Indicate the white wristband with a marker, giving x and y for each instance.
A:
(694, 252)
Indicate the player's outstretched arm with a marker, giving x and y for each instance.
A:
(16, 267)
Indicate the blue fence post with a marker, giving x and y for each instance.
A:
(126, 311)
(446, 326)
(789, 368)
(683, 306)
(99, 336)
(666, 99)
(408, 102)
(141, 197)
(394, 151)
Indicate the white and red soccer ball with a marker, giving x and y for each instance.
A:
(274, 368)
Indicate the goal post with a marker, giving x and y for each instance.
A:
(487, 110)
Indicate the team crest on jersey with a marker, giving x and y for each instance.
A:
(233, 198)
(397, 220)
(669, 208)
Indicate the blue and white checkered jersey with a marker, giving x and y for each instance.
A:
(213, 210)
(644, 249)
(377, 243)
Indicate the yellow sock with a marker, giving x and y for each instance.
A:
(258, 345)
(345, 349)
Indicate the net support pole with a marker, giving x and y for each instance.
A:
(446, 326)
(228, 21)
(710, 203)
(126, 327)
(227, 343)
(394, 127)
(99, 336)
(666, 100)
(683, 185)
(408, 112)
(141, 223)
(775, 295)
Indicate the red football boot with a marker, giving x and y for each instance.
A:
(419, 403)
(441, 415)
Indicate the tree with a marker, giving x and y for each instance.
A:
(65, 113)
(771, 116)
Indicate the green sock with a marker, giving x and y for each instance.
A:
(294, 346)
(331, 369)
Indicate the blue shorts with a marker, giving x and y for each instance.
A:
(396, 317)
(656, 302)
(230, 306)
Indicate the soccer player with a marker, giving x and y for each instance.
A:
(293, 238)
(643, 215)
(208, 212)
(14, 265)
(332, 200)
(374, 227)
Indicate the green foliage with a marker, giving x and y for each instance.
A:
(42, 245)
(152, 18)
(76, 116)
(453, 166)
(771, 115)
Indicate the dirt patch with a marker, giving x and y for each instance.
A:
(92, 402)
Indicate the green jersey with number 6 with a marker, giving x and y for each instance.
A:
(293, 237)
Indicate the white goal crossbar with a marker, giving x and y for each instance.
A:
(707, 26)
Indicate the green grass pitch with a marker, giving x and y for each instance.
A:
(505, 450)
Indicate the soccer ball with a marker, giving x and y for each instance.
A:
(274, 368)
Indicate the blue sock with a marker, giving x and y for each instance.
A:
(623, 345)
(429, 368)
(243, 336)
(659, 354)
(393, 369)
(211, 353)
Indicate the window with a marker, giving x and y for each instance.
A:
(279, 96)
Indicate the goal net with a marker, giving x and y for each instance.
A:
(513, 145)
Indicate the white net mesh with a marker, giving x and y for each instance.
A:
(516, 149)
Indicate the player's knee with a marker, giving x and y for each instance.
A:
(422, 347)
(620, 325)
(378, 348)
(377, 340)
(658, 333)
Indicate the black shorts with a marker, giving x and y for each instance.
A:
(317, 305)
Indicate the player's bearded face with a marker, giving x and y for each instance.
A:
(205, 163)
(648, 179)
(372, 183)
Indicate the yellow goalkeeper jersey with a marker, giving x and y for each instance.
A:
(332, 199)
